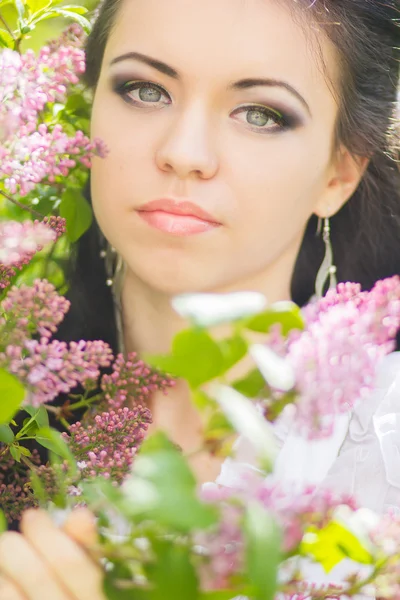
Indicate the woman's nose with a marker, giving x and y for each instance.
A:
(188, 146)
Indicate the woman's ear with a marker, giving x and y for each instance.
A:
(345, 175)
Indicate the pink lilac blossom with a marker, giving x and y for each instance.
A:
(295, 512)
(32, 309)
(108, 446)
(28, 82)
(336, 357)
(31, 158)
(48, 369)
(20, 241)
(56, 224)
(132, 381)
(73, 35)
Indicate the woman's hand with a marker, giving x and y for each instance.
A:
(44, 562)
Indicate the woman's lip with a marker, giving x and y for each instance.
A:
(176, 224)
(179, 207)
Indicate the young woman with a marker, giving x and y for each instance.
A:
(232, 128)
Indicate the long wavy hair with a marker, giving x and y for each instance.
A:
(366, 231)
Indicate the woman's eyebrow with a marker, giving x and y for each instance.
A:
(243, 84)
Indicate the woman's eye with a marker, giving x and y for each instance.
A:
(141, 93)
(263, 118)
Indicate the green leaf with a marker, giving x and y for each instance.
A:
(173, 573)
(75, 8)
(263, 550)
(77, 212)
(36, 5)
(52, 440)
(252, 386)
(163, 488)
(25, 451)
(286, 314)
(6, 434)
(39, 415)
(12, 394)
(3, 522)
(113, 592)
(195, 357)
(21, 10)
(15, 453)
(233, 350)
(6, 40)
(69, 14)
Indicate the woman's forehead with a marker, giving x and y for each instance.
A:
(222, 39)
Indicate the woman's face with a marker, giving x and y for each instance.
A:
(225, 104)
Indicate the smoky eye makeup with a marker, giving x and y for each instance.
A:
(257, 114)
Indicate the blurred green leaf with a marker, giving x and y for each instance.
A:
(195, 357)
(12, 393)
(77, 212)
(72, 13)
(286, 314)
(6, 434)
(263, 550)
(173, 573)
(233, 350)
(3, 522)
(164, 488)
(6, 40)
(36, 5)
(252, 385)
(52, 440)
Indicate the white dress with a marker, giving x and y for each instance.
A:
(362, 458)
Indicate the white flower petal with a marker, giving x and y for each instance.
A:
(211, 309)
(248, 421)
(277, 372)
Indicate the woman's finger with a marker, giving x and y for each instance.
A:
(9, 591)
(69, 562)
(23, 566)
(81, 527)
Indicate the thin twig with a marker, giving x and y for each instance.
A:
(2, 19)
(23, 206)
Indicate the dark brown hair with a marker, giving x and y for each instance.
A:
(366, 232)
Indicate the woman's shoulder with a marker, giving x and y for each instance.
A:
(362, 457)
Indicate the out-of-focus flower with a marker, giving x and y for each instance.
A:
(20, 241)
(207, 310)
(336, 357)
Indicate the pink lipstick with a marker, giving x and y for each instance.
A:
(177, 217)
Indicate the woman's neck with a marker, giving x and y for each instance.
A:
(150, 323)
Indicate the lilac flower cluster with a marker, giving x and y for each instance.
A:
(73, 35)
(28, 82)
(15, 495)
(20, 241)
(30, 309)
(295, 513)
(49, 368)
(336, 357)
(132, 380)
(108, 445)
(31, 158)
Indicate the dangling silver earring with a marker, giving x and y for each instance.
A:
(115, 271)
(327, 268)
